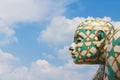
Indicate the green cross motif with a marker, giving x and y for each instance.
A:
(96, 42)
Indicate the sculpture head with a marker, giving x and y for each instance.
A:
(90, 40)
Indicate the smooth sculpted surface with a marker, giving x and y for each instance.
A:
(96, 42)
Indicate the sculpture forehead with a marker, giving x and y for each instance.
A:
(96, 25)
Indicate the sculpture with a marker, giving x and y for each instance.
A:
(94, 43)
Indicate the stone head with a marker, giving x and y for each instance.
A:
(90, 41)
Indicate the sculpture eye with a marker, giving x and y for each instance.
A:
(79, 40)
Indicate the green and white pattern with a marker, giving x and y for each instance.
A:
(112, 58)
(96, 42)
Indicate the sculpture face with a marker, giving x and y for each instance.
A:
(89, 41)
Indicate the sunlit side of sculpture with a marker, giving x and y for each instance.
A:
(96, 42)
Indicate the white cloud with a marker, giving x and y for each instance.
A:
(6, 57)
(30, 10)
(48, 56)
(6, 61)
(64, 54)
(20, 10)
(70, 71)
(42, 70)
(116, 24)
(6, 33)
(13, 11)
(61, 29)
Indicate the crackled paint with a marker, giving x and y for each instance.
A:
(95, 42)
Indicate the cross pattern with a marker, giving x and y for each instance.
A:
(96, 42)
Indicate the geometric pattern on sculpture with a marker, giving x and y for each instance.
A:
(96, 42)
(112, 65)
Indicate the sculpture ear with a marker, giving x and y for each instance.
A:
(101, 35)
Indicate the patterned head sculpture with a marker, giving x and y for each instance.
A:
(89, 41)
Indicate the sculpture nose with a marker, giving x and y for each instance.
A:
(72, 47)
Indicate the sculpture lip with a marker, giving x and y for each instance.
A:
(73, 55)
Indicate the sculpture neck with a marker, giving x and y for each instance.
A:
(103, 48)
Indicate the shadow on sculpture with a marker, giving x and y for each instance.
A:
(96, 42)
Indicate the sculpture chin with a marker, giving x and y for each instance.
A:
(87, 61)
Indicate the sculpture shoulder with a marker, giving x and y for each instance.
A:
(113, 56)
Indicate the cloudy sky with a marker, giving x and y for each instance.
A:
(35, 36)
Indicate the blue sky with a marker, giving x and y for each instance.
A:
(35, 36)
